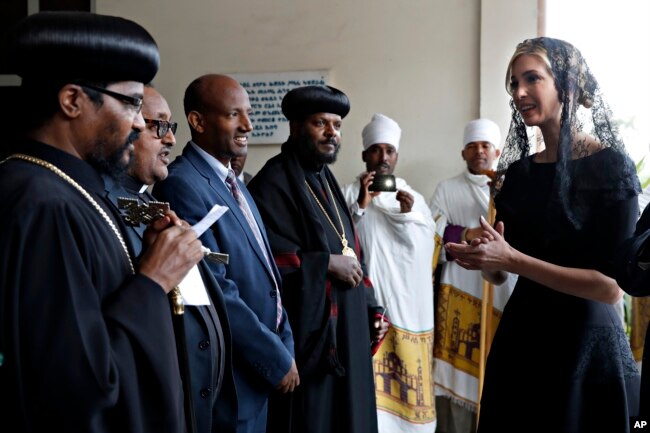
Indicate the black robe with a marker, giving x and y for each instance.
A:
(633, 276)
(569, 352)
(87, 345)
(330, 319)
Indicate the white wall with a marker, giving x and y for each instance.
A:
(519, 18)
(417, 61)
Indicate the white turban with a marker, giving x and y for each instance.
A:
(381, 129)
(482, 130)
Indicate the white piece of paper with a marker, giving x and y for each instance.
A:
(192, 288)
(215, 213)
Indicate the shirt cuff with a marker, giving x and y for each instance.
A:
(356, 210)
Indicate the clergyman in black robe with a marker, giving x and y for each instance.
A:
(86, 335)
(328, 297)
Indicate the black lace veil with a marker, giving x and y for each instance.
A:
(583, 111)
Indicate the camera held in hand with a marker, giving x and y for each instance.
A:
(383, 182)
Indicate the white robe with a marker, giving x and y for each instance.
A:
(461, 200)
(398, 251)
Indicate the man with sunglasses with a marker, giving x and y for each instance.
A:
(153, 147)
(87, 341)
(206, 332)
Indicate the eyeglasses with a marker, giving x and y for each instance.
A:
(162, 126)
(129, 100)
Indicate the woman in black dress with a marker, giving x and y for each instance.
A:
(564, 210)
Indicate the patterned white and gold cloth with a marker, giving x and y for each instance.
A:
(460, 201)
(398, 251)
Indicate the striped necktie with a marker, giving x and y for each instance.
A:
(231, 181)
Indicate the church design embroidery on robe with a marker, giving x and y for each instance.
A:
(458, 328)
(404, 387)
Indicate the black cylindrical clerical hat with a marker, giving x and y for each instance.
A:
(301, 102)
(62, 46)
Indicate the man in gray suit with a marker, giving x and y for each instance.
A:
(205, 339)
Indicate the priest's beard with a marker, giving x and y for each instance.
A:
(308, 149)
(112, 164)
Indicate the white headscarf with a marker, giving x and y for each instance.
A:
(381, 129)
(482, 130)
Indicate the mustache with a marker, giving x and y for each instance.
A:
(133, 136)
(331, 141)
(167, 149)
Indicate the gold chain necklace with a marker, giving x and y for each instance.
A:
(83, 192)
(347, 251)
